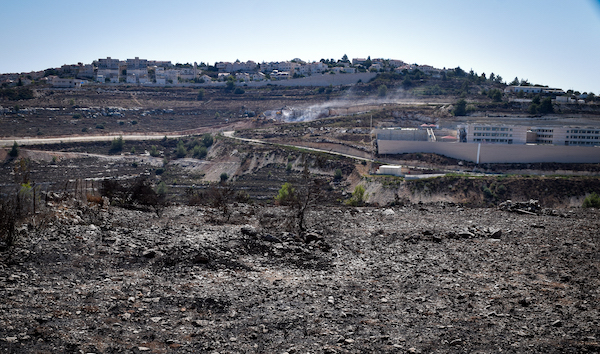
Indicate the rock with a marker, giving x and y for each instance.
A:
(271, 238)
(143, 349)
(11, 339)
(201, 259)
(249, 230)
(466, 234)
(557, 323)
(456, 342)
(149, 253)
(495, 233)
(388, 212)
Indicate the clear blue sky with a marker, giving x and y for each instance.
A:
(550, 42)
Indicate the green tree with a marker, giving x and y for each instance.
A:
(161, 189)
(382, 90)
(338, 174)
(224, 177)
(199, 152)
(154, 151)
(200, 96)
(181, 150)
(460, 109)
(14, 152)
(207, 140)
(545, 106)
(117, 145)
(515, 82)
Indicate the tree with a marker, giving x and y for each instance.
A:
(515, 82)
(460, 108)
(181, 150)
(207, 140)
(154, 151)
(14, 152)
(200, 96)
(382, 90)
(545, 106)
(459, 72)
(117, 145)
(345, 59)
(224, 177)
(495, 95)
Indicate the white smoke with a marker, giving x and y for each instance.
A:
(351, 103)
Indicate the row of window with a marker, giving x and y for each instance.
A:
(585, 131)
(542, 141)
(584, 137)
(580, 143)
(544, 135)
(506, 141)
(491, 134)
(543, 130)
(493, 129)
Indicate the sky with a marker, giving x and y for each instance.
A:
(547, 42)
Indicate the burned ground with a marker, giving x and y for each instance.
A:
(428, 278)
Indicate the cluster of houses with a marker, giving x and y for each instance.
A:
(143, 71)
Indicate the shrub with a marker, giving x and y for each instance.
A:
(207, 140)
(199, 152)
(288, 168)
(224, 177)
(358, 196)
(338, 174)
(181, 150)
(592, 201)
(154, 151)
(117, 145)
(286, 194)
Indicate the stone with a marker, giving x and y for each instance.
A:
(388, 212)
(557, 323)
(249, 230)
(495, 233)
(149, 254)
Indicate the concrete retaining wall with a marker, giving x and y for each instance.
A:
(494, 153)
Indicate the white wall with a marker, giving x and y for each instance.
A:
(495, 153)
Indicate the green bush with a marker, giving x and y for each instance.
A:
(358, 197)
(181, 150)
(199, 152)
(207, 140)
(592, 201)
(224, 177)
(117, 145)
(154, 151)
(338, 174)
(286, 194)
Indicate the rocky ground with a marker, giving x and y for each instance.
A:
(417, 279)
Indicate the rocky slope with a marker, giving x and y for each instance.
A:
(418, 279)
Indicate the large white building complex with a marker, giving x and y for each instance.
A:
(518, 134)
